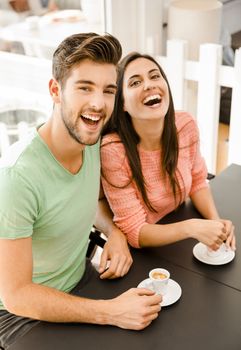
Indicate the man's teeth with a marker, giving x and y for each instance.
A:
(94, 118)
(153, 98)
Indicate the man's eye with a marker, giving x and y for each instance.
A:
(110, 91)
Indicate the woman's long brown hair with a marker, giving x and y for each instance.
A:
(121, 123)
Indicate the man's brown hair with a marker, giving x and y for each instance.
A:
(75, 48)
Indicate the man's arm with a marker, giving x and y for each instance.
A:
(116, 258)
(134, 309)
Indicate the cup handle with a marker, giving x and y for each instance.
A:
(149, 285)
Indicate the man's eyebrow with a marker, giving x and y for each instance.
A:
(89, 82)
(112, 86)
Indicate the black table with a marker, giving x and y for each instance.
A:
(207, 316)
(226, 189)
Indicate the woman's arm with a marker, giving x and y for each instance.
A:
(116, 259)
(204, 203)
(209, 232)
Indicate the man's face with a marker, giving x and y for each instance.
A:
(87, 100)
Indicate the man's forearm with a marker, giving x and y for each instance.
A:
(48, 304)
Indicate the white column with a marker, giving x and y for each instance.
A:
(136, 23)
(198, 22)
(234, 155)
(208, 102)
(176, 59)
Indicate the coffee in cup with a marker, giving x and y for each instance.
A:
(159, 278)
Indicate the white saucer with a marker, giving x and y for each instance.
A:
(200, 253)
(173, 293)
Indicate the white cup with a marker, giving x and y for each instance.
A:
(32, 22)
(216, 253)
(158, 280)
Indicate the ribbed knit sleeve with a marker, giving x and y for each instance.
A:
(189, 143)
(120, 191)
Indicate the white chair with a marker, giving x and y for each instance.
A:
(38, 48)
(23, 87)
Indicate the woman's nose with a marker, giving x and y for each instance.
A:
(148, 85)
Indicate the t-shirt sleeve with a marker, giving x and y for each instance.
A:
(121, 192)
(18, 208)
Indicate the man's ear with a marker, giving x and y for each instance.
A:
(54, 89)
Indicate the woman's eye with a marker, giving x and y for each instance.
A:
(155, 76)
(135, 83)
(84, 88)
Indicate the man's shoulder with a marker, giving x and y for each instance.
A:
(16, 151)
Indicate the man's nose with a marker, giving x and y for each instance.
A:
(97, 101)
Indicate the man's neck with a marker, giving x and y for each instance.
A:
(66, 150)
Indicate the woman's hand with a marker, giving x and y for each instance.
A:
(212, 232)
(229, 227)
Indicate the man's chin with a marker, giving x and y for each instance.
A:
(89, 142)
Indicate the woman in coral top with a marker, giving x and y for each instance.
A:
(151, 162)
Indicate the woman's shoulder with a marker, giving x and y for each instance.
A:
(113, 155)
(111, 144)
(186, 127)
(185, 122)
(111, 139)
(183, 119)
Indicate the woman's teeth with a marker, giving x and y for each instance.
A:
(151, 100)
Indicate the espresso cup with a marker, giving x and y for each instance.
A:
(216, 253)
(159, 280)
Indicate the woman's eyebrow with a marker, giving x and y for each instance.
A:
(153, 70)
(149, 72)
(134, 76)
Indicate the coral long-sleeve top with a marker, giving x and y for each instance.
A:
(130, 211)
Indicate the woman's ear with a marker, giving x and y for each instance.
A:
(54, 90)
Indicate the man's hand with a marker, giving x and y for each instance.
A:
(116, 259)
(19, 5)
(134, 309)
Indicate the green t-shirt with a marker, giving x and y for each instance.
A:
(40, 198)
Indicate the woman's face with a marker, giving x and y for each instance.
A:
(145, 91)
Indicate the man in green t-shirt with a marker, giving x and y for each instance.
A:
(49, 185)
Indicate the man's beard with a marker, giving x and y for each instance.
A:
(72, 130)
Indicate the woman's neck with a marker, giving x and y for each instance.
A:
(150, 133)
